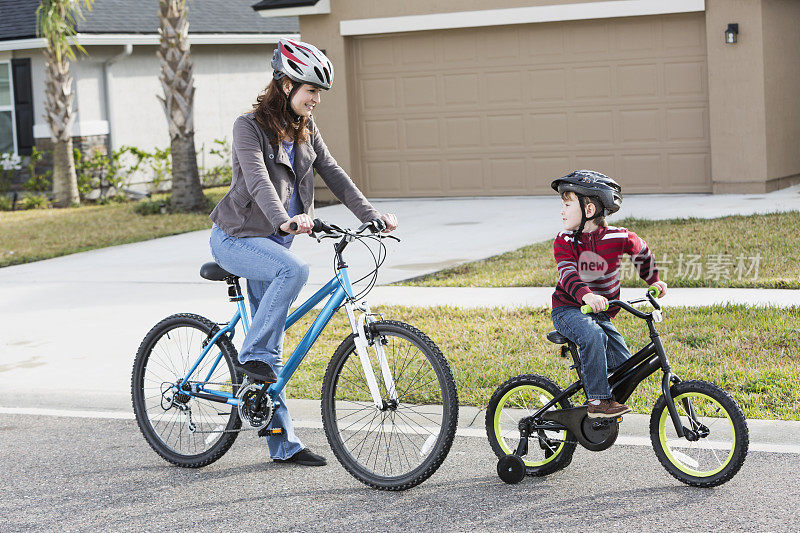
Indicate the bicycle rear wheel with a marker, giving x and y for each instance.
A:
(518, 398)
(398, 446)
(165, 356)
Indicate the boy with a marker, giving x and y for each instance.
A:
(588, 253)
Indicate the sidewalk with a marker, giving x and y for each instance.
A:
(513, 297)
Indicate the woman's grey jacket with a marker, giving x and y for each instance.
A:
(263, 180)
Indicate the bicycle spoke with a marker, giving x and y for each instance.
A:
(423, 415)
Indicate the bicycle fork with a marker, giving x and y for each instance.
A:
(363, 340)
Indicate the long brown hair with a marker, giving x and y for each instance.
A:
(272, 112)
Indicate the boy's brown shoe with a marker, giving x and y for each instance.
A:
(610, 408)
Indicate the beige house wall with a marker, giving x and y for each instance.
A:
(782, 87)
(334, 116)
(754, 103)
(736, 97)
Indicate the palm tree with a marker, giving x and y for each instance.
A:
(56, 21)
(177, 80)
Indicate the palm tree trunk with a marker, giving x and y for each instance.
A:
(60, 116)
(65, 183)
(177, 80)
(187, 193)
(56, 21)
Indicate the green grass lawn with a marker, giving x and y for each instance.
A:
(736, 251)
(752, 353)
(38, 234)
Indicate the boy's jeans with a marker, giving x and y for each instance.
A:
(600, 345)
(274, 279)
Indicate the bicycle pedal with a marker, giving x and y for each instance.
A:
(263, 432)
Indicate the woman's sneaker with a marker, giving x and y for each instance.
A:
(259, 371)
(609, 408)
(304, 457)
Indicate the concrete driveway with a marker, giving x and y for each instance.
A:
(70, 326)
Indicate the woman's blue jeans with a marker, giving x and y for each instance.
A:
(274, 278)
(600, 345)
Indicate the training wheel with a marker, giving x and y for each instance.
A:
(511, 468)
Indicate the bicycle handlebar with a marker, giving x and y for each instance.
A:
(320, 226)
(653, 292)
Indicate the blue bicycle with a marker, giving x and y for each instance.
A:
(389, 401)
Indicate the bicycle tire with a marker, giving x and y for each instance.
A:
(702, 463)
(515, 399)
(436, 408)
(154, 361)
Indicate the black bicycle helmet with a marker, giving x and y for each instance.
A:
(594, 185)
(588, 184)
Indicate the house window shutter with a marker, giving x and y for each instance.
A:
(23, 104)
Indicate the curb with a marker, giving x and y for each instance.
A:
(774, 436)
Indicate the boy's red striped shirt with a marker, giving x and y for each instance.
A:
(596, 265)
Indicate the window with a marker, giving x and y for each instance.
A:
(8, 136)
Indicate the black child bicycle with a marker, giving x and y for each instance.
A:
(697, 430)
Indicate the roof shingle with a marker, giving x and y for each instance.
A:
(18, 18)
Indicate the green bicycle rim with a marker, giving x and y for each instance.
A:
(662, 435)
(501, 440)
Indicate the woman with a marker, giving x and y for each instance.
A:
(275, 149)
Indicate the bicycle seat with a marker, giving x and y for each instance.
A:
(214, 272)
(557, 338)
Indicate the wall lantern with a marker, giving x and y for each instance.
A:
(732, 33)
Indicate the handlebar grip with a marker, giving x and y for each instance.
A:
(655, 291)
(319, 226)
(586, 309)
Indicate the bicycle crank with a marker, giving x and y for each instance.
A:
(255, 406)
(592, 433)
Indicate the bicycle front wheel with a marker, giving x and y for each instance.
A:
(183, 429)
(716, 447)
(402, 443)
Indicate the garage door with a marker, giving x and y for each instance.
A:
(504, 110)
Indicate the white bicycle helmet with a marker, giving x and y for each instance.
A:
(302, 63)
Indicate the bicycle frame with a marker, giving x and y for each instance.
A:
(338, 290)
(626, 377)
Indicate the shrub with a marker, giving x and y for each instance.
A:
(222, 173)
(5, 203)
(152, 207)
(9, 163)
(37, 182)
(94, 170)
(118, 198)
(34, 201)
(110, 174)
(160, 162)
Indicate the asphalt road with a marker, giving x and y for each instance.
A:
(73, 474)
